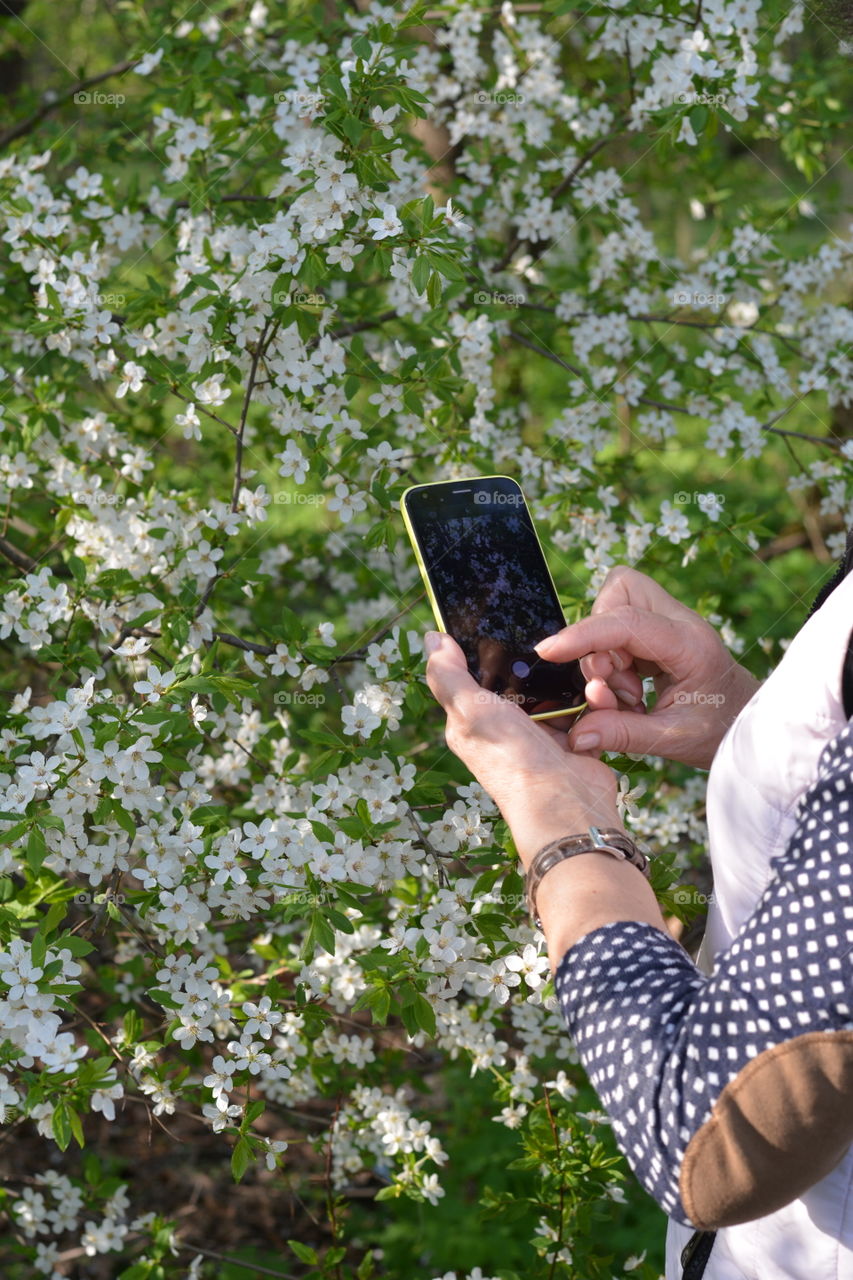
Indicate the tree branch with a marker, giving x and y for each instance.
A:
(247, 400)
(829, 441)
(27, 126)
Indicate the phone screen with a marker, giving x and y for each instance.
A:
(492, 586)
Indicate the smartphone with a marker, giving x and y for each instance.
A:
(490, 588)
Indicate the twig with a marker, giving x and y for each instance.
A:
(828, 441)
(556, 1136)
(549, 355)
(247, 399)
(16, 557)
(26, 126)
(517, 242)
(235, 1262)
(355, 327)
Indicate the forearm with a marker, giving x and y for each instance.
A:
(585, 891)
(588, 891)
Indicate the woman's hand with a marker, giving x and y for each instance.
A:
(540, 787)
(637, 629)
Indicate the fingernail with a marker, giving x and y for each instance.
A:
(543, 644)
(630, 699)
(586, 742)
(616, 659)
(433, 640)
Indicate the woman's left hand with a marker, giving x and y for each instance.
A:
(543, 790)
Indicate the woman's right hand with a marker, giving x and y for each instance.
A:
(637, 629)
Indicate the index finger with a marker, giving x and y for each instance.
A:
(643, 634)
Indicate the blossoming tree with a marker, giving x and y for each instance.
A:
(260, 274)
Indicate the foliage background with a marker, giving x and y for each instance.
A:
(472, 341)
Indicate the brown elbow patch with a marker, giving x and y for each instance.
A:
(781, 1125)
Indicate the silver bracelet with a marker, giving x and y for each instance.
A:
(616, 843)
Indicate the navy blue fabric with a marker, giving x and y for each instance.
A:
(660, 1040)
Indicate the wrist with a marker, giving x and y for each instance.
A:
(532, 831)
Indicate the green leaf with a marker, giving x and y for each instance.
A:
(413, 402)
(449, 268)
(378, 1000)
(424, 1014)
(388, 1193)
(421, 273)
(698, 117)
(254, 1109)
(15, 833)
(124, 820)
(434, 289)
(304, 1252)
(365, 1267)
(76, 1127)
(139, 1271)
(36, 850)
(241, 1157)
(318, 934)
(74, 943)
(60, 1123)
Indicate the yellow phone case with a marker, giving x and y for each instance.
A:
(440, 623)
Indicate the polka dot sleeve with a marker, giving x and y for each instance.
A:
(660, 1040)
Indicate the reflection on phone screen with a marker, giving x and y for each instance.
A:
(497, 598)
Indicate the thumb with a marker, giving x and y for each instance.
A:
(628, 732)
(447, 673)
